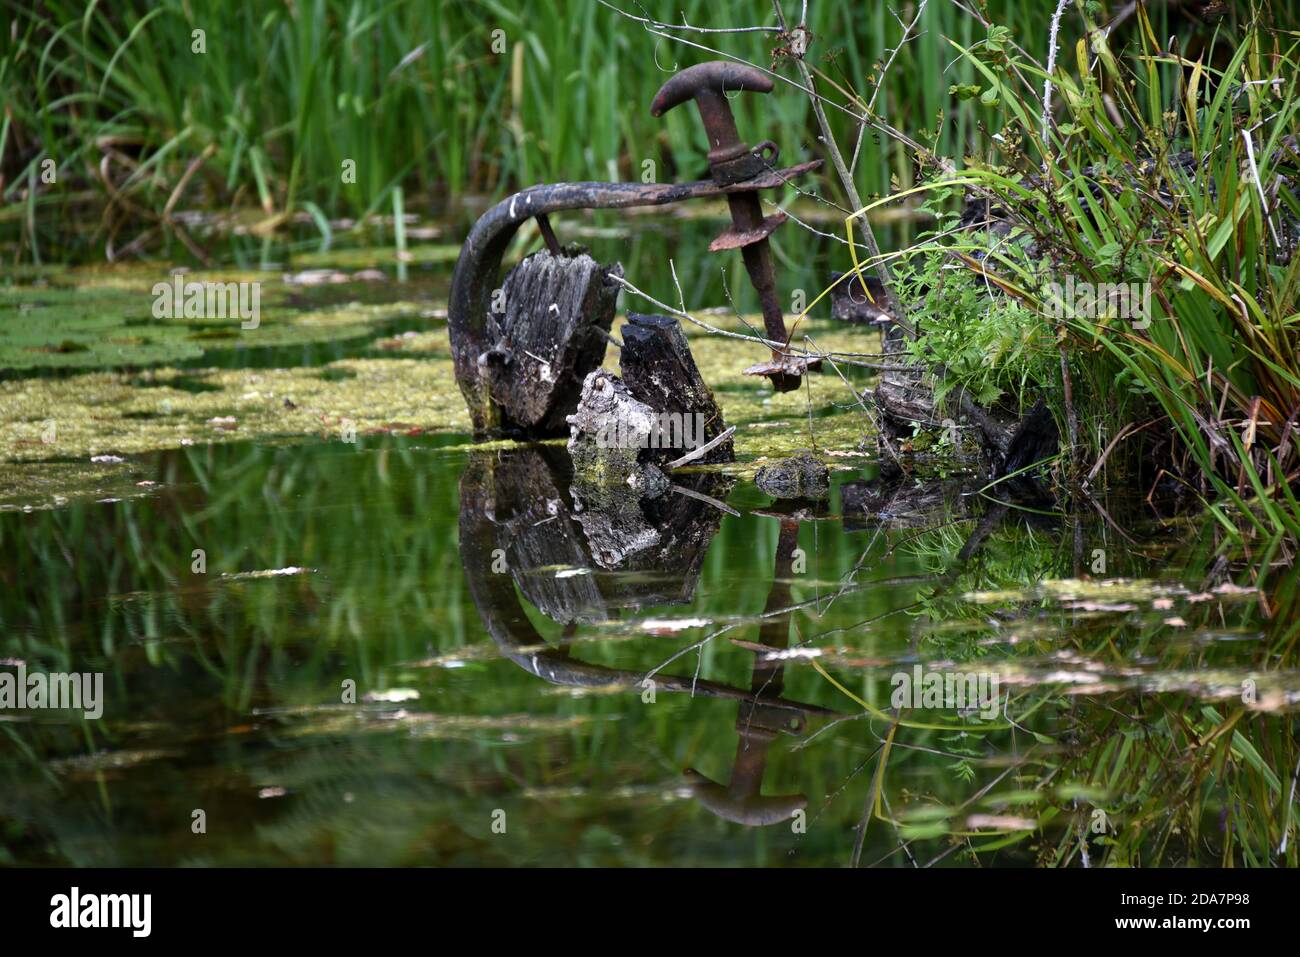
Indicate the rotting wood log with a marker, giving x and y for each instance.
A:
(905, 400)
(552, 329)
(865, 303)
(658, 369)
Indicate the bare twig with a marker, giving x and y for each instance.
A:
(1053, 46)
(896, 308)
(702, 450)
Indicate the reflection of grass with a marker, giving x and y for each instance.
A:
(1145, 779)
(214, 669)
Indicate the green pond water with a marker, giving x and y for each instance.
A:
(414, 650)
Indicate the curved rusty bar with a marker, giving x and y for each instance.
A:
(475, 276)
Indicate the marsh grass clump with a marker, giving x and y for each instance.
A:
(997, 349)
(1130, 259)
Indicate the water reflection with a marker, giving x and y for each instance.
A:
(523, 524)
(1160, 693)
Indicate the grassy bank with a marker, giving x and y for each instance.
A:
(1132, 260)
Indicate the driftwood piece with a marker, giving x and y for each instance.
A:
(550, 330)
(658, 369)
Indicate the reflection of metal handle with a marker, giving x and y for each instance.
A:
(743, 806)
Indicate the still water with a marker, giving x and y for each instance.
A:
(515, 695)
(412, 650)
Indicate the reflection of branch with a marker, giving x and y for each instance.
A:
(743, 620)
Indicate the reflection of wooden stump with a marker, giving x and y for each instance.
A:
(548, 329)
(529, 507)
(801, 476)
(667, 572)
(634, 553)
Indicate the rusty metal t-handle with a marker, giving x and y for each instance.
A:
(732, 162)
(708, 84)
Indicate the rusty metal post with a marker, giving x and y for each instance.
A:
(731, 162)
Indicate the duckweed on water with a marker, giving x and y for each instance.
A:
(113, 327)
(402, 384)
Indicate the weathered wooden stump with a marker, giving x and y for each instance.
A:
(658, 369)
(545, 331)
(608, 434)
